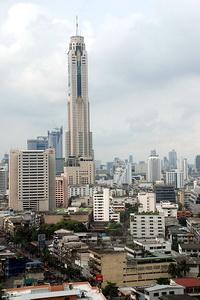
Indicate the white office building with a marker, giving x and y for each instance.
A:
(123, 174)
(147, 226)
(147, 201)
(183, 167)
(102, 207)
(32, 179)
(176, 178)
(167, 208)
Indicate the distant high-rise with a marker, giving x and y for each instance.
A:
(154, 168)
(153, 153)
(172, 159)
(130, 160)
(183, 167)
(55, 141)
(79, 163)
(41, 143)
(165, 163)
(197, 163)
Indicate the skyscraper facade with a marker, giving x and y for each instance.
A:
(78, 137)
(79, 164)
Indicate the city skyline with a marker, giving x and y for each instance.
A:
(143, 74)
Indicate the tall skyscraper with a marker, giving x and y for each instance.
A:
(78, 137)
(79, 152)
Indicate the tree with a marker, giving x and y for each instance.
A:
(182, 221)
(110, 290)
(178, 270)
(183, 267)
(173, 270)
(114, 229)
(163, 280)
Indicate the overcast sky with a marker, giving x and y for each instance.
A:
(144, 73)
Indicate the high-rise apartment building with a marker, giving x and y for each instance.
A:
(78, 137)
(102, 207)
(154, 168)
(32, 179)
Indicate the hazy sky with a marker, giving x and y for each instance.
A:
(144, 73)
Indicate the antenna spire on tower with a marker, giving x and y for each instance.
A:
(76, 25)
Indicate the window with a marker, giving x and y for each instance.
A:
(171, 292)
(156, 294)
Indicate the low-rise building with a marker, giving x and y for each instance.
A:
(192, 285)
(167, 208)
(183, 214)
(123, 268)
(193, 224)
(189, 249)
(154, 245)
(177, 234)
(155, 292)
(71, 291)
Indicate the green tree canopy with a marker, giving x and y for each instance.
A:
(110, 290)
(163, 280)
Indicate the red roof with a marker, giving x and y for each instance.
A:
(187, 282)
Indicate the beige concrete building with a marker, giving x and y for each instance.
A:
(32, 179)
(123, 269)
(82, 216)
(80, 171)
(61, 191)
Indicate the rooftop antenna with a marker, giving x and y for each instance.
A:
(76, 25)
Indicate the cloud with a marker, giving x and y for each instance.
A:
(144, 65)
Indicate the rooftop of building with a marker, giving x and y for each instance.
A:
(187, 282)
(178, 297)
(105, 251)
(153, 256)
(81, 290)
(163, 287)
(193, 220)
(190, 246)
